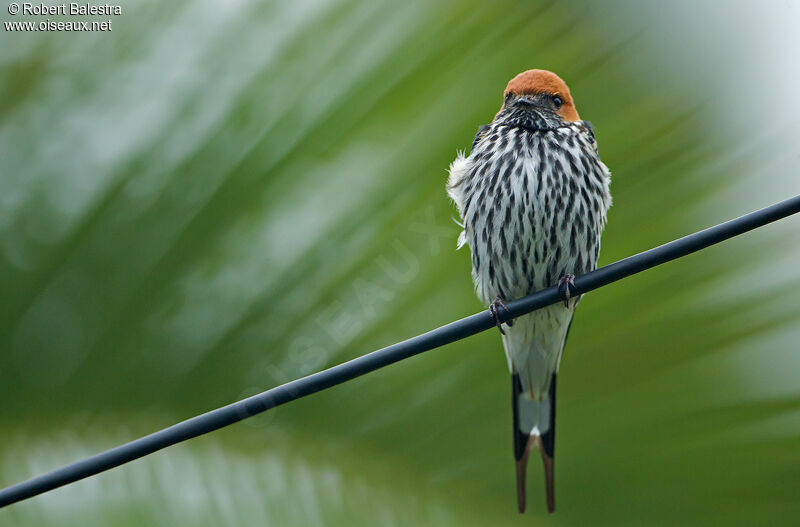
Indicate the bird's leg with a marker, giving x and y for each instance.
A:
(565, 282)
(494, 308)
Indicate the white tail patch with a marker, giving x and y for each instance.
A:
(534, 416)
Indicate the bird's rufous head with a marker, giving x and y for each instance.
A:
(542, 88)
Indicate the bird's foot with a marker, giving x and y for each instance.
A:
(494, 309)
(564, 283)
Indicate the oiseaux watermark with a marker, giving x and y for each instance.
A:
(72, 9)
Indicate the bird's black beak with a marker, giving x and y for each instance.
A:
(528, 104)
(524, 102)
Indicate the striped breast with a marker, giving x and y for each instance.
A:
(533, 205)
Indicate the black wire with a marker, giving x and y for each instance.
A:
(457, 330)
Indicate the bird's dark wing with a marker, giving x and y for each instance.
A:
(588, 129)
(481, 131)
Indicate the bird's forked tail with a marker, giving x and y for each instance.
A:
(534, 425)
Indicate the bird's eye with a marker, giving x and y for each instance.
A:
(509, 95)
(557, 102)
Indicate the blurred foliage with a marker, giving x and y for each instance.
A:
(214, 199)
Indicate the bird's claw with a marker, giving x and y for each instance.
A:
(494, 309)
(564, 283)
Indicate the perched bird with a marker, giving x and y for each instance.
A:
(533, 196)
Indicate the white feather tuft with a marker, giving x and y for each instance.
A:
(462, 240)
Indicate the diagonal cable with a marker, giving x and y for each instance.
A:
(460, 329)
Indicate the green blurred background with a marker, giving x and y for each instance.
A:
(218, 197)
